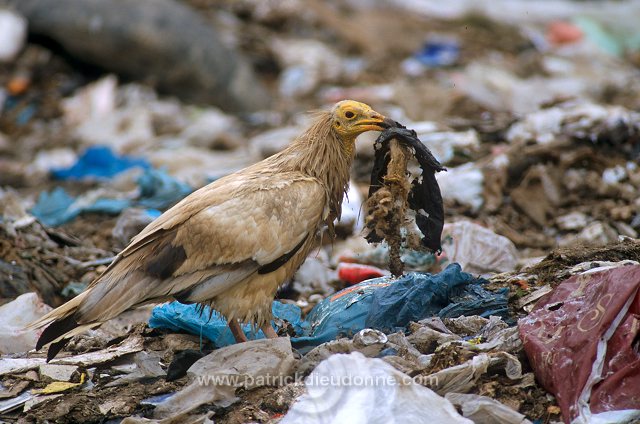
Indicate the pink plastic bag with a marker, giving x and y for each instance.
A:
(583, 342)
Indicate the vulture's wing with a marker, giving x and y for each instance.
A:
(211, 240)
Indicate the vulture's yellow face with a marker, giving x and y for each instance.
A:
(351, 118)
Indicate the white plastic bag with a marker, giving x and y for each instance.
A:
(355, 389)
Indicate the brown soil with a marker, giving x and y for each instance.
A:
(553, 268)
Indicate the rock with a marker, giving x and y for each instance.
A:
(162, 40)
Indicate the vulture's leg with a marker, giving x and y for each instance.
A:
(237, 332)
(269, 332)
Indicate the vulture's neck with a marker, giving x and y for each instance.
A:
(319, 152)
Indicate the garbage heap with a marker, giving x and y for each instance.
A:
(530, 312)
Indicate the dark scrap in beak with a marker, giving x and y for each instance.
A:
(389, 123)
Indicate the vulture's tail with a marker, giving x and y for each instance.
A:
(61, 324)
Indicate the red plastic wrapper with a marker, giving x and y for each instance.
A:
(356, 273)
(583, 342)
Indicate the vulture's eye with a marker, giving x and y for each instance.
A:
(349, 114)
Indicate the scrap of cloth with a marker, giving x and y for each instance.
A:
(424, 197)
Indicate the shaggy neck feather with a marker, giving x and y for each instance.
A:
(321, 153)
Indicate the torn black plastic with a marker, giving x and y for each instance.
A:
(425, 197)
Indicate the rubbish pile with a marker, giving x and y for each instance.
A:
(528, 314)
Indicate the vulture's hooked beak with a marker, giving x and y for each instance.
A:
(377, 122)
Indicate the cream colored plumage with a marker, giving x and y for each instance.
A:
(232, 243)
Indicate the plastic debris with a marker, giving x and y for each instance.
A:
(176, 316)
(99, 162)
(8, 405)
(57, 372)
(463, 184)
(14, 316)
(572, 221)
(57, 207)
(494, 334)
(579, 340)
(583, 120)
(130, 222)
(211, 128)
(59, 386)
(533, 107)
(272, 141)
(446, 144)
(562, 32)
(130, 345)
(356, 273)
(461, 378)
(436, 52)
(614, 41)
(478, 250)
(393, 190)
(307, 63)
(314, 275)
(382, 304)
(13, 215)
(197, 166)
(528, 302)
(13, 34)
(249, 365)
(94, 101)
(484, 410)
(385, 395)
(144, 365)
(157, 191)
(389, 305)
(48, 160)
(413, 260)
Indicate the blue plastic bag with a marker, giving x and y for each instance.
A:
(389, 305)
(98, 162)
(176, 316)
(158, 190)
(438, 52)
(381, 303)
